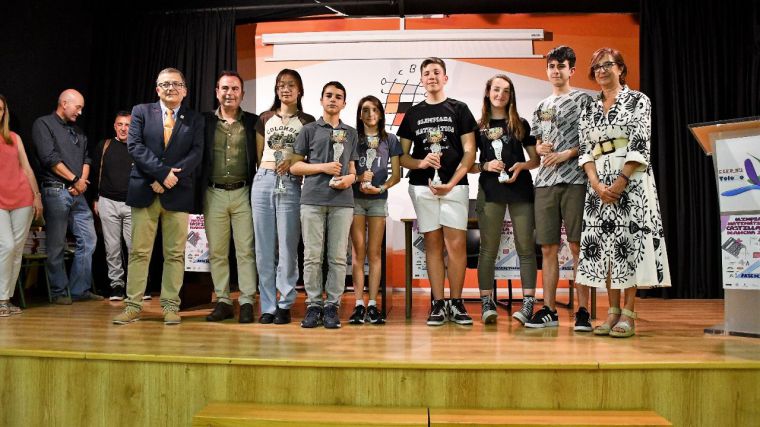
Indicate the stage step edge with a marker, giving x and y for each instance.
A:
(254, 414)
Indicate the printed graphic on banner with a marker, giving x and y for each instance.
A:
(738, 163)
(400, 91)
(507, 261)
(196, 247)
(419, 264)
(565, 256)
(740, 251)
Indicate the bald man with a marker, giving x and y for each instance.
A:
(63, 169)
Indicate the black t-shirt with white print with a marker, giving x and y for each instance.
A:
(511, 152)
(447, 121)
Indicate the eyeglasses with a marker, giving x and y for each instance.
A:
(605, 65)
(167, 85)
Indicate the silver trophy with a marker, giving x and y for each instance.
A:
(547, 118)
(338, 138)
(372, 143)
(434, 138)
(277, 143)
(495, 134)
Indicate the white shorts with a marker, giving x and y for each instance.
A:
(434, 211)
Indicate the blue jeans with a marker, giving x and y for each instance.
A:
(277, 227)
(62, 211)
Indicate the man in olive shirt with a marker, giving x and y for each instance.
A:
(228, 169)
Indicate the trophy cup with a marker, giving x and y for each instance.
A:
(547, 117)
(277, 143)
(338, 138)
(434, 138)
(372, 143)
(495, 134)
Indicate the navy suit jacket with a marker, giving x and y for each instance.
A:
(153, 162)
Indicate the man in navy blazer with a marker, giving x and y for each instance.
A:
(166, 143)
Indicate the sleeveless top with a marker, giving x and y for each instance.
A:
(15, 191)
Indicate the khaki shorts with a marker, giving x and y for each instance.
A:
(555, 205)
(434, 211)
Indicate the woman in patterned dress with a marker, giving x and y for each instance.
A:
(622, 243)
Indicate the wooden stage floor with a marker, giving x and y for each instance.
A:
(669, 333)
(68, 365)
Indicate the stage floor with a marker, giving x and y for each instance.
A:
(669, 334)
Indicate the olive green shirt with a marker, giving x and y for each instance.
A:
(230, 155)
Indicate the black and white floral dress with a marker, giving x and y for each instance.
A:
(625, 239)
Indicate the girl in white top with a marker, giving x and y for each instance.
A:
(275, 199)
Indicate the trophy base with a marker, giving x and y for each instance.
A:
(503, 177)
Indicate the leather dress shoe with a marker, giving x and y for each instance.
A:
(266, 318)
(221, 311)
(246, 313)
(282, 316)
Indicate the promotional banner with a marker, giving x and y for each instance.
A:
(507, 261)
(740, 251)
(738, 164)
(196, 247)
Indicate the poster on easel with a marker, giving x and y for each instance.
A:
(196, 246)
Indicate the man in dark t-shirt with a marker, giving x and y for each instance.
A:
(438, 140)
(112, 166)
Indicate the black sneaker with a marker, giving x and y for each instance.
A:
(582, 323)
(543, 318)
(357, 317)
(331, 318)
(313, 317)
(373, 315)
(118, 293)
(526, 310)
(458, 312)
(282, 316)
(438, 313)
(488, 311)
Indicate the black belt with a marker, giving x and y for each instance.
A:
(53, 185)
(228, 187)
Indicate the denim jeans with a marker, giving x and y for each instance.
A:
(337, 222)
(277, 227)
(63, 211)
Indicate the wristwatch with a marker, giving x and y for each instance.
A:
(382, 189)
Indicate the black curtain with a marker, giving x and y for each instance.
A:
(129, 51)
(699, 62)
